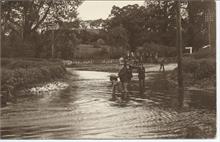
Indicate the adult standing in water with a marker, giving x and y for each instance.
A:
(141, 77)
(124, 77)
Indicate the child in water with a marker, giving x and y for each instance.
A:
(116, 86)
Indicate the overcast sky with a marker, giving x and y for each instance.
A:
(91, 9)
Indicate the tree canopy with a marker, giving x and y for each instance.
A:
(28, 24)
(25, 17)
(25, 20)
(156, 22)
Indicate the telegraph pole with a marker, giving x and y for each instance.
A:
(209, 28)
(209, 19)
(52, 46)
(179, 46)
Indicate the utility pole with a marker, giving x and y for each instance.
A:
(209, 27)
(52, 46)
(209, 19)
(179, 46)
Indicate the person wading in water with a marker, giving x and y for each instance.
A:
(141, 77)
(116, 87)
(124, 76)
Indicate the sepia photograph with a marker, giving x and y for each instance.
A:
(108, 70)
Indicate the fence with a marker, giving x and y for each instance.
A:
(89, 61)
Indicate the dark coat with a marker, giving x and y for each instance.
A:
(141, 73)
(124, 74)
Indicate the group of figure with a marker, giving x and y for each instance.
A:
(121, 87)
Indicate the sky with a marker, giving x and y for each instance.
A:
(96, 9)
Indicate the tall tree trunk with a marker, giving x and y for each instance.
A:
(191, 14)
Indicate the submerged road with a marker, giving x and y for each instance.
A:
(83, 111)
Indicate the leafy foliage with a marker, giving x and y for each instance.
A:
(205, 53)
(202, 68)
(26, 26)
(156, 22)
(22, 72)
(23, 23)
(197, 28)
(118, 37)
(161, 50)
(145, 24)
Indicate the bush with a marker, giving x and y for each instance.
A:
(207, 68)
(205, 53)
(5, 61)
(190, 65)
(5, 75)
(200, 69)
(20, 73)
(15, 63)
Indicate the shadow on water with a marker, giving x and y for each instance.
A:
(64, 98)
(171, 96)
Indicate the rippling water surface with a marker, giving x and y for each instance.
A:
(83, 110)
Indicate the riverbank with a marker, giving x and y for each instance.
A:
(190, 83)
(25, 73)
(198, 74)
(205, 84)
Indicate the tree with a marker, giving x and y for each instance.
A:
(154, 22)
(65, 42)
(27, 17)
(197, 29)
(130, 17)
(118, 37)
(97, 24)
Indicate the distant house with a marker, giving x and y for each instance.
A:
(188, 50)
(206, 46)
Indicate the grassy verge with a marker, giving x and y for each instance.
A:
(21, 73)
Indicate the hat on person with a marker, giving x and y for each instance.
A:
(113, 77)
(121, 61)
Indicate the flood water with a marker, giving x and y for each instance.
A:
(83, 111)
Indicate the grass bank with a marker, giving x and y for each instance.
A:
(199, 70)
(21, 73)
